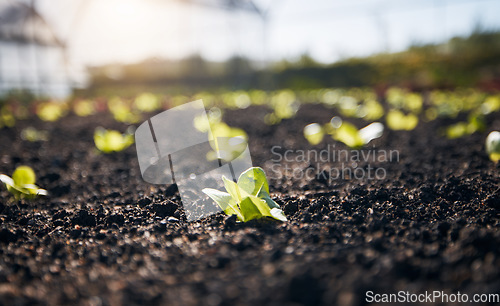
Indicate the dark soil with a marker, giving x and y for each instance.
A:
(105, 237)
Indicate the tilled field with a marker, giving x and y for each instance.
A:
(105, 237)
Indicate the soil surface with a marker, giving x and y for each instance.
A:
(105, 237)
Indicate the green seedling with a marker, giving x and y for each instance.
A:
(108, 141)
(51, 111)
(122, 111)
(372, 110)
(248, 199)
(493, 146)
(474, 124)
(227, 142)
(22, 183)
(84, 108)
(284, 105)
(33, 135)
(396, 120)
(147, 102)
(6, 117)
(314, 133)
(344, 132)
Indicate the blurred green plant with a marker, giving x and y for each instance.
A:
(227, 142)
(7, 119)
(147, 102)
(108, 141)
(22, 184)
(122, 112)
(493, 146)
(397, 120)
(314, 133)
(51, 111)
(248, 199)
(33, 135)
(84, 108)
(344, 132)
(475, 123)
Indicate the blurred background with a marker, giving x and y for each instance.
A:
(61, 48)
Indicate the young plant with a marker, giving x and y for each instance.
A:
(22, 183)
(396, 120)
(31, 134)
(51, 111)
(248, 199)
(314, 133)
(493, 146)
(108, 141)
(460, 129)
(344, 132)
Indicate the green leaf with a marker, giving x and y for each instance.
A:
(493, 146)
(396, 120)
(249, 198)
(233, 189)
(249, 210)
(349, 135)
(278, 214)
(24, 175)
(252, 208)
(225, 201)
(314, 133)
(108, 141)
(254, 181)
(22, 184)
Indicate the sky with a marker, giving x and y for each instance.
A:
(125, 31)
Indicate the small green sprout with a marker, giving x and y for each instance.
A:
(108, 141)
(460, 129)
(314, 133)
(122, 111)
(6, 117)
(147, 102)
(84, 108)
(22, 184)
(396, 120)
(493, 146)
(248, 199)
(51, 111)
(344, 132)
(31, 134)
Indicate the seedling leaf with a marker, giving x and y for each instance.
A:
(22, 183)
(493, 146)
(254, 181)
(249, 198)
(314, 133)
(396, 120)
(108, 141)
(224, 200)
(24, 175)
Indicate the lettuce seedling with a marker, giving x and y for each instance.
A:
(84, 108)
(51, 111)
(347, 133)
(147, 102)
(474, 124)
(32, 135)
(396, 120)
(493, 146)
(314, 133)
(248, 199)
(108, 141)
(22, 184)
(122, 111)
